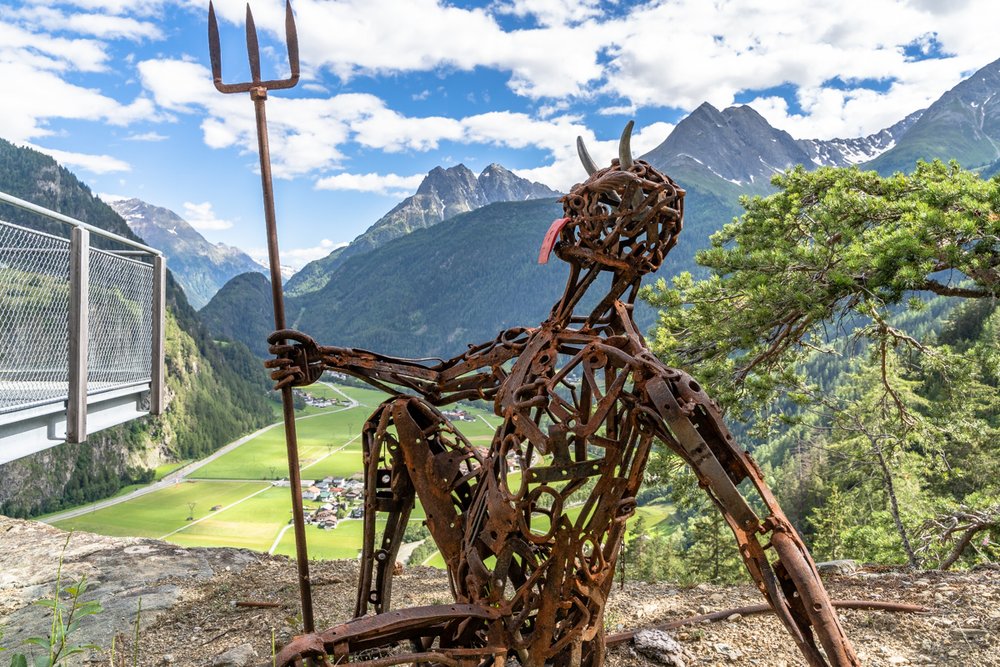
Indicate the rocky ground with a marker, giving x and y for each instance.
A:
(189, 614)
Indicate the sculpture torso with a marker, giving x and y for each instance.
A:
(560, 479)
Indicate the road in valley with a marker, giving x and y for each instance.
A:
(183, 473)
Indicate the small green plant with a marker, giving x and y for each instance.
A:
(135, 638)
(68, 610)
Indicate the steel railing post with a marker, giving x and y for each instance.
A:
(79, 334)
(157, 399)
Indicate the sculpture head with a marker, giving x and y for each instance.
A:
(625, 217)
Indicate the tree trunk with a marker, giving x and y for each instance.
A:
(962, 543)
(893, 504)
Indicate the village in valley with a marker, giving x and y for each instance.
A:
(336, 499)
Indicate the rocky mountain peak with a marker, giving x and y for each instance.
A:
(497, 183)
(146, 219)
(963, 124)
(442, 180)
(736, 144)
(201, 267)
(855, 150)
(455, 188)
(443, 194)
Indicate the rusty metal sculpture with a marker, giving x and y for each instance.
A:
(531, 528)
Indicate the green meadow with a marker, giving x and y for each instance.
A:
(251, 513)
(159, 513)
(328, 438)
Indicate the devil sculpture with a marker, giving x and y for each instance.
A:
(531, 527)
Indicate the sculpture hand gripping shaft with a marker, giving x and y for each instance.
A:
(531, 528)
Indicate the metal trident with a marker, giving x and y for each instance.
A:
(258, 93)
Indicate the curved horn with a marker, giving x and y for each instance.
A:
(625, 147)
(588, 162)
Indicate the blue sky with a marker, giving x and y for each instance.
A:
(120, 92)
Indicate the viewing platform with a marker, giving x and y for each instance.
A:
(81, 329)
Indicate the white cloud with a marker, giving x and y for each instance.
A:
(566, 170)
(96, 164)
(24, 117)
(203, 218)
(147, 136)
(306, 134)
(619, 110)
(296, 257)
(38, 67)
(109, 197)
(391, 131)
(728, 48)
(44, 51)
(385, 184)
(715, 51)
(139, 7)
(428, 35)
(576, 53)
(832, 112)
(103, 26)
(547, 110)
(552, 12)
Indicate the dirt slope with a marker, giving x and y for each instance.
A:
(199, 622)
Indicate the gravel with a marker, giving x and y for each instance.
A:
(198, 623)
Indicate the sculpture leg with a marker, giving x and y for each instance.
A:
(791, 583)
(411, 449)
(388, 493)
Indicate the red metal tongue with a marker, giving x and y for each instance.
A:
(550, 239)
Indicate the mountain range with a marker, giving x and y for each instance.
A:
(442, 194)
(199, 266)
(453, 264)
(374, 296)
(738, 145)
(963, 125)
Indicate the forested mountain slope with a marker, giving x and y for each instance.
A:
(214, 393)
(444, 193)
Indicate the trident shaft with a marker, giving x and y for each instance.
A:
(258, 93)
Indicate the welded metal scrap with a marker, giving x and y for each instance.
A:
(530, 528)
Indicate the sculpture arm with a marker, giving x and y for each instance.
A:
(476, 374)
(689, 422)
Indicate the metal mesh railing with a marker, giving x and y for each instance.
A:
(34, 307)
(121, 321)
(82, 314)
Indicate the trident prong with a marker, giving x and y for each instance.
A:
(215, 54)
(258, 93)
